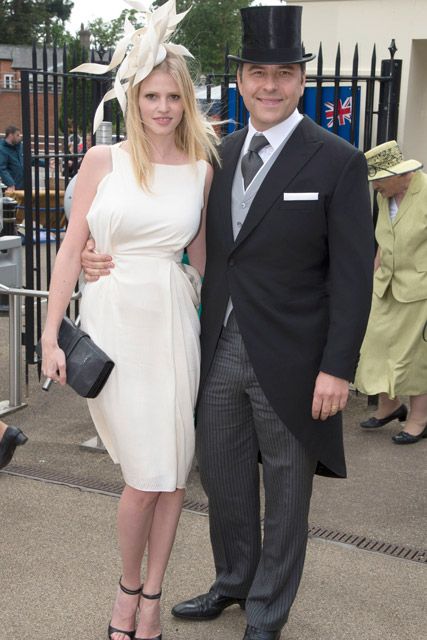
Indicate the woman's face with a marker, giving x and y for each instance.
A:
(392, 186)
(160, 104)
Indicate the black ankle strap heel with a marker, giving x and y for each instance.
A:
(150, 596)
(129, 592)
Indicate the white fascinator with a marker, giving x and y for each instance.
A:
(139, 51)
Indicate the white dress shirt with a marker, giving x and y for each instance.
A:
(275, 135)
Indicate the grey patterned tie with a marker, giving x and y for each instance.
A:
(251, 162)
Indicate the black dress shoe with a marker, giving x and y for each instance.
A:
(373, 423)
(252, 633)
(12, 438)
(205, 607)
(403, 437)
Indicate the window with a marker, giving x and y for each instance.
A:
(9, 81)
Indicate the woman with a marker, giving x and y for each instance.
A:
(393, 358)
(143, 201)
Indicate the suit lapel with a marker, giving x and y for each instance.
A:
(298, 150)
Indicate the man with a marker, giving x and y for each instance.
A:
(285, 302)
(11, 159)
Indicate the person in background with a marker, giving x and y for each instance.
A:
(12, 160)
(12, 174)
(393, 359)
(71, 165)
(10, 438)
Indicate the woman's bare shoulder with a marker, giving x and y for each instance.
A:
(97, 159)
(99, 153)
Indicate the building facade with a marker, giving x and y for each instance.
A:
(14, 58)
(369, 22)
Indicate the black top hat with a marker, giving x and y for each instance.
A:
(272, 35)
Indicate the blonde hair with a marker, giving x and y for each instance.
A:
(194, 135)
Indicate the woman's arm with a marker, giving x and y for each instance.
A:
(96, 164)
(197, 248)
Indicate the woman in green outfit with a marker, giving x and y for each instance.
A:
(393, 359)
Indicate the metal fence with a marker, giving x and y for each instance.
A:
(369, 111)
(57, 114)
(65, 103)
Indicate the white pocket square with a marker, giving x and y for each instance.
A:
(306, 195)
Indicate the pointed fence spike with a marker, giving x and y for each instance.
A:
(356, 60)
(338, 60)
(320, 60)
(373, 60)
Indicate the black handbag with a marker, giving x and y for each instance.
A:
(87, 366)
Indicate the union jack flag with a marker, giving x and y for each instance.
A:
(348, 110)
(344, 109)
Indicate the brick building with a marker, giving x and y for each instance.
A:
(13, 58)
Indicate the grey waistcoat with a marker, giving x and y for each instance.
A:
(241, 200)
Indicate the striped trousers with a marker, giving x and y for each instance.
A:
(234, 422)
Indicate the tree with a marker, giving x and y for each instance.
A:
(105, 35)
(206, 31)
(26, 21)
(210, 26)
(78, 94)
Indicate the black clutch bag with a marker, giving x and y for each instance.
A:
(87, 366)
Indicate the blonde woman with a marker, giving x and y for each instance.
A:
(143, 201)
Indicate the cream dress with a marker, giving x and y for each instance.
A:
(144, 315)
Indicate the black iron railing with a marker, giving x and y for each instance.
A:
(57, 115)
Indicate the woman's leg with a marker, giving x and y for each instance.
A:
(134, 521)
(386, 406)
(162, 535)
(417, 417)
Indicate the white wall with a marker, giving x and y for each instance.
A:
(369, 22)
(415, 124)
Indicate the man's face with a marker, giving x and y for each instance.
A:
(392, 186)
(14, 138)
(271, 92)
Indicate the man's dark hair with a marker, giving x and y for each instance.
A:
(11, 129)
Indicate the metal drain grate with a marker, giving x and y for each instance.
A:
(114, 489)
(196, 507)
(368, 544)
(88, 484)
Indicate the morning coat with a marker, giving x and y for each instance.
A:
(299, 275)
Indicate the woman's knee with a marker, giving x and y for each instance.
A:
(142, 499)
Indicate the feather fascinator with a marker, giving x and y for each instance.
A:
(139, 51)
